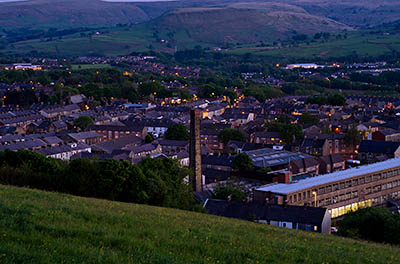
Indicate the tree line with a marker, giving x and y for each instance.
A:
(158, 182)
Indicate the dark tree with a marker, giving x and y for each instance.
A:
(149, 138)
(83, 122)
(288, 132)
(177, 132)
(243, 162)
(229, 192)
(352, 137)
(308, 119)
(375, 224)
(229, 134)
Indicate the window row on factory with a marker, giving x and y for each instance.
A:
(358, 181)
(305, 195)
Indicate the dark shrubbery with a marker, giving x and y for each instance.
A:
(229, 134)
(233, 192)
(153, 181)
(336, 99)
(375, 224)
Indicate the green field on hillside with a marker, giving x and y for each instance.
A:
(90, 66)
(43, 227)
(113, 42)
(356, 43)
(123, 41)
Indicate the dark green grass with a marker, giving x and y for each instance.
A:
(123, 41)
(357, 43)
(115, 42)
(90, 66)
(42, 227)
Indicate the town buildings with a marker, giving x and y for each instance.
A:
(340, 192)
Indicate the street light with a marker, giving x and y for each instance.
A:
(315, 198)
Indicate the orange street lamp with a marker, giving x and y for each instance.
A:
(315, 198)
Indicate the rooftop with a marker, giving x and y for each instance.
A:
(282, 188)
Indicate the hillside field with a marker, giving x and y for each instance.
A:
(123, 41)
(43, 227)
(114, 42)
(361, 43)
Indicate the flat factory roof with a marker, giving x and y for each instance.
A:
(282, 188)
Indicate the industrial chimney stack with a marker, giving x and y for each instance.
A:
(195, 150)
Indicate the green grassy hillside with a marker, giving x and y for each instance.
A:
(245, 25)
(114, 42)
(360, 43)
(359, 13)
(71, 13)
(60, 13)
(42, 227)
(68, 27)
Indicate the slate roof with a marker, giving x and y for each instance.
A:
(62, 149)
(141, 148)
(246, 146)
(334, 158)
(78, 98)
(313, 143)
(217, 160)
(28, 144)
(213, 175)
(389, 131)
(7, 129)
(59, 124)
(176, 143)
(115, 128)
(267, 157)
(109, 146)
(245, 211)
(21, 119)
(71, 107)
(307, 183)
(53, 140)
(305, 162)
(262, 134)
(379, 147)
(84, 135)
(136, 122)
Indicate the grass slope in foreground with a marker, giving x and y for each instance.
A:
(42, 227)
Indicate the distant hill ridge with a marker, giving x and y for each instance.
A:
(219, 25)
(96, 12)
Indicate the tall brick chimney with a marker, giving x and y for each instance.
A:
(195, 150)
